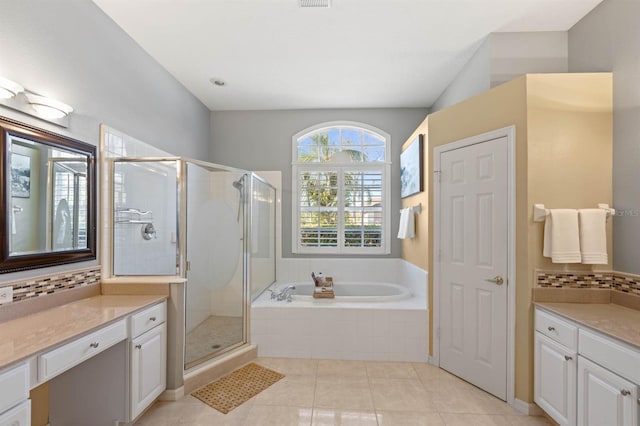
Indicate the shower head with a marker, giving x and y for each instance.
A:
(238, 184)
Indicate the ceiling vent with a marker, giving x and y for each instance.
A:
(314, 3)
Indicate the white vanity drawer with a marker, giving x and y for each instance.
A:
(14, 386)
(555, 328)
(147, 319)
(18, 416)
(611, 355)
(61, 359)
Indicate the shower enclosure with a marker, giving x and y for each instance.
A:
(211, 224)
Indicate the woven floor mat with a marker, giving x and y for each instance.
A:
(233, 390)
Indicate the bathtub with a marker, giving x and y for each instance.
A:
(348, 292)
(378, 321)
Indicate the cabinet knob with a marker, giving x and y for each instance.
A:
(138, 346)
(625, 392)
(152, 319)
(94, 345)
(568, 358)
(551, 328)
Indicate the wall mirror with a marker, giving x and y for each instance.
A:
(47, 198)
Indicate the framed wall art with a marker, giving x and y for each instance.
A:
(412, 168)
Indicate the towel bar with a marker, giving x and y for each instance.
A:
(417, 209)
(540, 212)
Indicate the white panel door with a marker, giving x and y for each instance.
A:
(604, 398)
(473, 264)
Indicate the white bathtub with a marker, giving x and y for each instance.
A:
(371, 292)
(366, 321)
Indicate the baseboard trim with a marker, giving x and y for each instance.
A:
(530, 409)
(172, 394)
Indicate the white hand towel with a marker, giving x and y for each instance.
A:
(593, 236)
(562, 237)
(407, 224)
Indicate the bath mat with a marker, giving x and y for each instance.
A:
(233, 390)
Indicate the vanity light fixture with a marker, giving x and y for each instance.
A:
(9, 89)
(48, 108)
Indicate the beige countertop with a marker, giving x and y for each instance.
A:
(612, 319)
(26, 336)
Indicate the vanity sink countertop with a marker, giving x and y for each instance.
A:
(611, 312)
(26, 336)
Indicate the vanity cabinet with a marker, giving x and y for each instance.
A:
(555, 366)
(148, 351)
(584, 377)
(604, 398)
(15, 407)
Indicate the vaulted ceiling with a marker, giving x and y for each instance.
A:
(272, 54)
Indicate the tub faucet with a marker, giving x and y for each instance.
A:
(285, 293)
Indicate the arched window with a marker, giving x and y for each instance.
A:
(340, 186)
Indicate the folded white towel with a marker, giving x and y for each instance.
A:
(593, 236)
(561, 236)
(407, 227)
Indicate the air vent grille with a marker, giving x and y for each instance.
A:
(314, 3)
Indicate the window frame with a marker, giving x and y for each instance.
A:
(384, 167)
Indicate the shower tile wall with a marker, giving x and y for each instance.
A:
(132, 255)
(145, 187)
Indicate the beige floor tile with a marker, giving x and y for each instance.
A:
(474, 419)
(400, 395)
(191, 413)
(292, 391)
(263, 415)
(343, 393)
(330, 367)
(436, 379)
(492, 420)
(300, 367)
(473, 401)
(528, 421)
(328, 417)
(404, 418)
(391, 370)
(331, 392)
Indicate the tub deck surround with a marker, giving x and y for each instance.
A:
(393, 330)
(26, 336)
(610, 312)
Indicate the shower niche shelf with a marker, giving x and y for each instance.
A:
(133, 216)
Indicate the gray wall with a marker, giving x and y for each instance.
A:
(515, 54)
(70, 50)
(501, 57)
(261, 140)
(608, 39)
(473, 79)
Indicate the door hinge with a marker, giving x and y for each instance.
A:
(438, 175)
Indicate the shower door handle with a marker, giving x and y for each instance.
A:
(496, 280)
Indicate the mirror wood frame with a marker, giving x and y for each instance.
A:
(14, 263)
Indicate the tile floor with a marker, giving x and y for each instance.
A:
(362, 393)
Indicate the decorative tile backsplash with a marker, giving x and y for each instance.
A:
(48, 284)
(612, 280)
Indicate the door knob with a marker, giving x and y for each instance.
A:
(496, 280)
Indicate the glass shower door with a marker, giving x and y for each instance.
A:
(215, 261)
